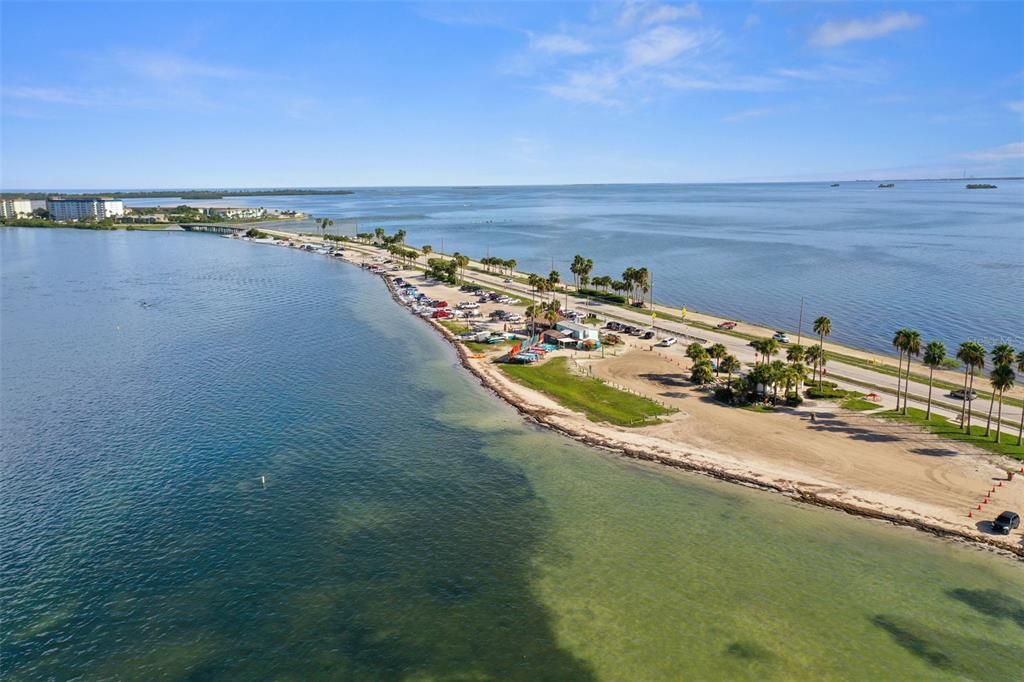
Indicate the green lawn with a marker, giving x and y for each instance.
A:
(859, 404)
(944, 428)
(596, 399)
(478, 347)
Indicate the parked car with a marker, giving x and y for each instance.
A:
(959, 394)
(508, 281)
(780, 337)
(614, 326)
(1006, 522)
(670, 341)
(648, 335)
(727, 325)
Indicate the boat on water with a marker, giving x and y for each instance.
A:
(887, 185)
(834, 184)
(981, 185)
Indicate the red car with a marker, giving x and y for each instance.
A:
(440, 304)
(727, 325)
(442, 314)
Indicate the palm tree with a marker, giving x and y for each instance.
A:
(511, 265)
(553, 279)
(823, 328)
(795, 353)
(427, 250)
(718, 351)
(378, 232)
(1001, 355)
(551, 314)
(532, 311)
(771, 347)
(899, 342)
(912, 349)
(696, 352)
(815, 355)
(729, 364)
(934, 355)
(972, 354)
(1001, 379)
(777, 374)
(701, 373)
(1020, 368)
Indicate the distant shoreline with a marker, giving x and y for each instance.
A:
(298, 191)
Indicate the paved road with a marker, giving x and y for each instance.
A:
(885, 384)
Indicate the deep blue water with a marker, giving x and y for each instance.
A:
(411, 525)
(930, 255)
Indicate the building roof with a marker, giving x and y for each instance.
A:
(554, 333)
(572, 326)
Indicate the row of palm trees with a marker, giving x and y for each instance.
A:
(506, 266)
(971, 355)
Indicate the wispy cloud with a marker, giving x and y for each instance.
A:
(167, 66)
(835, 33)
(47, 95)
(747, 115)
(660, 45)
(752, 21)
(836, 73)
(1016, 107)
(1007, 152)
(560, 43)
(597, 86)
(649, 13)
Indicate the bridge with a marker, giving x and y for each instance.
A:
(216, 228)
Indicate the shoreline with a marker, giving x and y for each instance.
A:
(505, 391)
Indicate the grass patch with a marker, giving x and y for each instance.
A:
(828, 391)
(859, 404)
(944, 428)
(454, 327)
(594, 398)
(478, 347)
(758, 407)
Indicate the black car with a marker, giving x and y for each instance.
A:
(1006, 522)
(648, 335)
(959, 394)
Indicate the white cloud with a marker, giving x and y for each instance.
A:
(651, 13)
(835, 73)
(1016, 107)
(1007, 152)
(660, 45)
(835, 33)
(727, 83)
(747, 115)
(164, 66)
(560, 43)
(46, 95)
(751, 21)
(596, 86)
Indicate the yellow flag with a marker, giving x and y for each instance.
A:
(683, 311)
(653, 315)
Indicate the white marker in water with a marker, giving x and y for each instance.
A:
(263, 480)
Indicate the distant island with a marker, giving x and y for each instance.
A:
(981, 185)
(182, 194)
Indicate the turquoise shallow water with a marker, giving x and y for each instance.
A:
(412, 527)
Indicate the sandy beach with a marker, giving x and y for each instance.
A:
(838, 458)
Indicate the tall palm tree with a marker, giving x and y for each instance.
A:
(729, 364)
(758, 346)
(777, 372)
(934, 354)
(1020, 368)
(814, 355)
(532, 311)
(1001, 379)
(912, 349)
(1001, 355)
(553, 279)
(899, 342)
(718, 351)
(972, 354)
(426, 250)
(795, 353)
(771, 347)
(823, 328)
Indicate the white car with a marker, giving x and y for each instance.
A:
(670, 341)
(780, 337)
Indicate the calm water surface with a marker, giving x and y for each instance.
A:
(931, 255)
(411, 525)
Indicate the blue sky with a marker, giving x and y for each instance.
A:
(124, 95)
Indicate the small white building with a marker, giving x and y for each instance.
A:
(236, 213)
(84, 208)
(580, 332)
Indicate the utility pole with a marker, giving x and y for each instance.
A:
(800, 327)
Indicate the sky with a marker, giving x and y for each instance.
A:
(263, 94)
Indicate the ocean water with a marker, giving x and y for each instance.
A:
(411, 526)
(931, 255)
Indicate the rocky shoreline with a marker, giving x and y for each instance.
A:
(546, 419)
